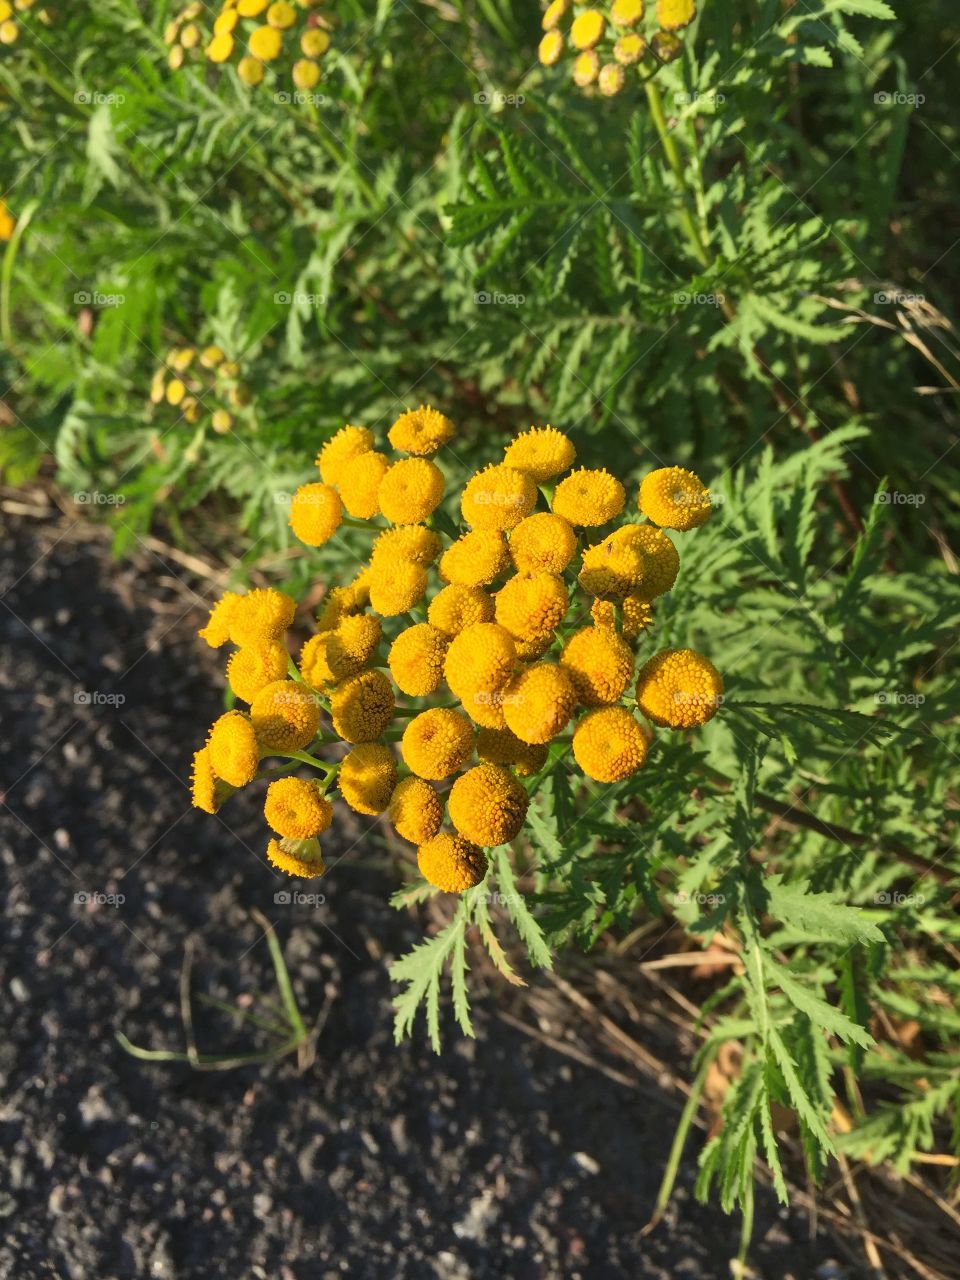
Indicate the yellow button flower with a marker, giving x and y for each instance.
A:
(629, 49)
(589, 497)
(340, 450)
(611, 79)
(551, 48)
(263, 614)
(251, 8)
(340, 653)
(457, 607)
(673, 15)
(531, 605)
(586, 68)
(421, 431)
(342, 602)
(416, 660)
(437, 743)
(217, 630)
(297, 857)
(362, 707)
(542, 452)
(412, 542)
(233, 751)
(609, 745)
(626, 13)
(544, 542)
(679, 689)
(634, 558)
(265, 43)
(479, 664)
(315, 513)
(281, 15)
(411, 491)
(599, 663)
(176, 390)
(9, 32)
(539, 702)
(588, 29)
(220, 47)
(254, 666)
(296, 810)
(360, 481)
(315, 42)
(415, 810)
(208, 792)
(498, 497)
(502, 746)
(306, 74)
(475, 559)
(367, 777)
(666, 46)
(250, 70)
(225, 22)
(450, 863)
(556, 10)
(396, 588)
(487, 805)
(674, 498)
(285, 716)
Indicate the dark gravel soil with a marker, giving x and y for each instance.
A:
(500, 1158)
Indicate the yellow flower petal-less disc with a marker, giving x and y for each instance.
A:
(609, 744)
(487, 805)
(437, 743)
(415, 810)
(295, 809)
(679, 689)
(450, 863)
(367, 777)
(674, 498)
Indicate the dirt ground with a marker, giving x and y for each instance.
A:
(500, 1158)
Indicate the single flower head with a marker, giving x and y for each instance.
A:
(450, 863)
(543, 542)
(254, 666)
(679, 689)
(362, 707)
(539, 702)
(297, 857)
(542, 452)
(674, 498)
(480, 663)
(532, 605)
(414, 543)
(498, 497)
(609, 744)
(487, 805)
(588, 28)
(396, 588)
(589, 497)
(232, 749)
(457, 607)
(476, 558)
(421, 431)
(673, 15)
(437, 743)
(416, 660)
(260, 615)
(599, 663)
(296, 809)
(315, 513)
(415, 810)
(285, 715)
(367, 777)
(208, 792)
(410, 491)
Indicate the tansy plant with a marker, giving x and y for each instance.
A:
(601, 45)
(256, 35)
(484, 654)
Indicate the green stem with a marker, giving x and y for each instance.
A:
(6, 273)
(675, 161)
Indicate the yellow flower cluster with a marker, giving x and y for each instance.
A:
(202, 386)
(10, 19)
(258, 34)
(601, 44)
(529, 612)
